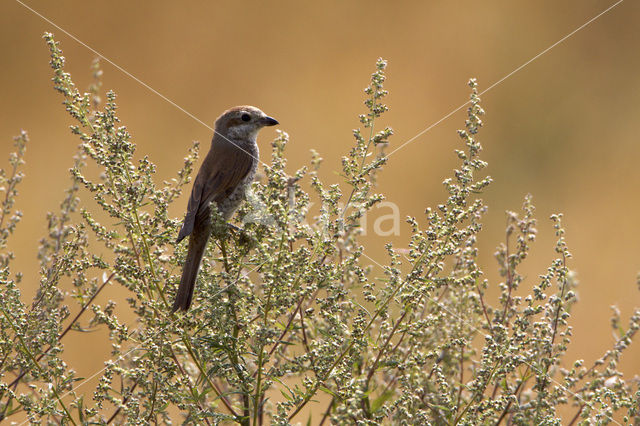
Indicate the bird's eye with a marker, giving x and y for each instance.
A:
(245, 117)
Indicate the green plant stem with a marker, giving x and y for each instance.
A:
(233, 354)
(191, 388)
(373, 367)
(153, 401)
(293, 314)
(206, 376)
(339, 359)
(515, 392)
(416, 265)
(364, 157)
(8, 192)
(476, 395)
(145, 245)
(509, 279)
(124, 401)
(393, 381)
(305, 342)
(545, 382)
(35, 362)
(67, 329)
(484, 308)
(51, 279)
(267, 308)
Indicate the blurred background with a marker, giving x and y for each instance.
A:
(563, 128)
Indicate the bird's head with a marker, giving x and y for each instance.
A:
(243, 122)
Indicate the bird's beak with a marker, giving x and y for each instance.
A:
(269, 121)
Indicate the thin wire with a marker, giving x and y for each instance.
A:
(388, 155)
(121, 357)
(422, 132)
(474, 328)
(127, 73)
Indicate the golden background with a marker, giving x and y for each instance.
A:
(563, 128)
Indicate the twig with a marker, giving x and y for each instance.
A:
(577, 416)
(484, 308)
(373, 367)
(124, 401)
(204, 374)
(461, 375)
(509, 277)
(68, 328)
(326, 413)
(515, 392)
(35, 362)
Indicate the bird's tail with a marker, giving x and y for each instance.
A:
(197, 244)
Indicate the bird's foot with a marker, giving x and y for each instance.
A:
(234, 228)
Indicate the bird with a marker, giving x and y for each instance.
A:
(222, 181)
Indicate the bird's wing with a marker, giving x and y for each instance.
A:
(224, 168)
(229, 166)
(192, 207)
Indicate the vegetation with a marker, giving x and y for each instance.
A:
(291, 313)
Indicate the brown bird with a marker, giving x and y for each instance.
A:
(227, 171)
